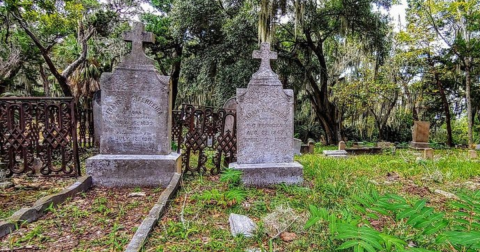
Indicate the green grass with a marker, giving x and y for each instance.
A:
(198, 218)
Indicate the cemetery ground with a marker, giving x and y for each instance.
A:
(27, 190)
(343, 202)
(100, 219)
(379, 202)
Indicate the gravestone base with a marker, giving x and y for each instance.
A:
(133, 170)
(267, 174)
(419, 145)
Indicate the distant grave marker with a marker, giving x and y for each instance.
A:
(420, 134)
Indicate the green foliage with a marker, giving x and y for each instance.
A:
(461, 232)
(231, 176)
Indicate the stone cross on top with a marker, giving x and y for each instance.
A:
(265, 55)
(138, 36)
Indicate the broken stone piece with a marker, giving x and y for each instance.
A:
(5, 185)
(447, 195)
(137, 194)
(241, 224)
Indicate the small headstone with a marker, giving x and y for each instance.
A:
(472, 154)
(37, 166)
(230, 105)
(308, 148)
(420, 134)
(297, 143)
(3, 171)
(265, 128)
(135, 142)
(241, 225)
(311, 147)
(341, 145)
(4, 183)
(428, 153)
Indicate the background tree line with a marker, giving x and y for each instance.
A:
(355, 75)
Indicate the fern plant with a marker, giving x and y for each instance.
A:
(231, 176)
(462, 233)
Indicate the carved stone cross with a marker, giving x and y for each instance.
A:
(265, 55)
(138, 36)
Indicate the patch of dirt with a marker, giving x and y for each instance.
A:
(393, 176)
(102, 219)
(380, 223)
(27, 190)
(421, 191)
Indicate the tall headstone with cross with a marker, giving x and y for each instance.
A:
(135, 144)
(265, 128)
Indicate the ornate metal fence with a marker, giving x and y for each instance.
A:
(206, 137)
(39, 135)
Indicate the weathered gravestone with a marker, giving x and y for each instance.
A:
(4, 183)
(230, 105)
(136, 122)
(472, 154)
(265, 128)
(428, 153)
(97, 116)
(297, 146)
(420, 133)
(342, 145)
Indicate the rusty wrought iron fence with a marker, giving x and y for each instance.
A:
(204, 135)
(86, 137)
(39, 135)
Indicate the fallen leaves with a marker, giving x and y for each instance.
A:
(288, 237)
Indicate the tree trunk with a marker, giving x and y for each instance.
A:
(446, 108)
(325, 111)
(62, 78)
(469, 101)
(46, 84)
(175, 73)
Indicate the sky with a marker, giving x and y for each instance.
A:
(396, 11)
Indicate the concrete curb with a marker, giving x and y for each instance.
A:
(31, 214)
(157, 211)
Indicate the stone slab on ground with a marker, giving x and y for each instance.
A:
(445, 194)
(30, 214)
(270, 173)
(157, 211)
(419, 145)
(133, 170)
(241, 225)
(335, 153)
